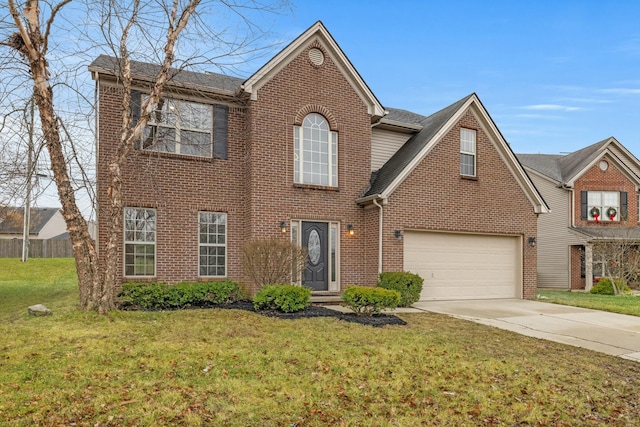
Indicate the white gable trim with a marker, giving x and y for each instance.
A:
(494, 135)
(607, 154)
(317, 32)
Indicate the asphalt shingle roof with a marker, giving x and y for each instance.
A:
(13, 220)
(217, 81)
(381, 179)
(562, 168)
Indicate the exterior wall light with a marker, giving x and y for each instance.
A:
(350, 230)
(532, 242)
(398, 234)
(283, 226)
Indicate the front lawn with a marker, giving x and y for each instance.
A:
(220, 367)
(616, 304)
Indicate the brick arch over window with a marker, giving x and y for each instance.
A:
(324, 111)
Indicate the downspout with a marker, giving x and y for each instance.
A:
(375, 202)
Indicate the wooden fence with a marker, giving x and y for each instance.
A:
(12, 248)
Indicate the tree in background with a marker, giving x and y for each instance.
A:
(36, 37)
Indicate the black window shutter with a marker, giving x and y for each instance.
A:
(624, 205)
(135, 107)
(220, 131)
(583, 205)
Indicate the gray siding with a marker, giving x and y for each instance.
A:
(384, 144)
(554, 237)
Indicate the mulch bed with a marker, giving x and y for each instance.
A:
(377, 320)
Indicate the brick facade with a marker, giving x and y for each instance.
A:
(490, 203)
(612, 179)
(596, 179)
(255, 184)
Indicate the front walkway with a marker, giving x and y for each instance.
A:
(609, 333)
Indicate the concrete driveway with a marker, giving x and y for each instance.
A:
(609, 333)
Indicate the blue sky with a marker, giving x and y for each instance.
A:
(555, 76)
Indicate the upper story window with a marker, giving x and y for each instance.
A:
(315, 154)
(603, 205)
(180, 127)
(467, 152)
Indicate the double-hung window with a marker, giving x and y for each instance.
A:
(139, 242)
(467, 152)
(180, 127)
(603, 204)
(212, 244)
(315, 152)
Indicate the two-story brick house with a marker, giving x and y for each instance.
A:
(303, 150)
(593, 196)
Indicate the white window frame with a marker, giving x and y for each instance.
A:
(313, 141)
(467, 148)
(599, 199)
(333, 254)
(143, 233)
(171, 118)
(216, 243)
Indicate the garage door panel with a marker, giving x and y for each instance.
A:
(464, 266)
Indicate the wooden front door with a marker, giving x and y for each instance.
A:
(315, 239)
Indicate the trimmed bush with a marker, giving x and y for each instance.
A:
(408, 284)
(159, 296)
(367, 301)
(605, 287)
(286, 298)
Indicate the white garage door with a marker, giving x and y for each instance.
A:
(464, 266)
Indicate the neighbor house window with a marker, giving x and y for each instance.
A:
(315, 152)
(139, 242)
(604, 204)
(180, 127)
(212, 244)
(468, 152)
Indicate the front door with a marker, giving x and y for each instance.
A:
(315, 239)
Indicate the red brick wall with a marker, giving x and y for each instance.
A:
(612, 179)
(178, 187)
(577, 281)
(445, 201)
(298, 89)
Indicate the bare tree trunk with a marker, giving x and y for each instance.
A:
(97, 286)
(33, 49)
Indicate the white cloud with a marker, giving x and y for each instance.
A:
(551, 107)
(621, 91)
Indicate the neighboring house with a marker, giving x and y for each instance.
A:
(303, 150)
(593, 196)
(45, 223)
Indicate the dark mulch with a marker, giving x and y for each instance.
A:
(377, 320)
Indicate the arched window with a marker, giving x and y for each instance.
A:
(315, 152)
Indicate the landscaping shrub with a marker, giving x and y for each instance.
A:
(408, 284)
(366, 301)
(158, 296)
(605, 287)
(270, 261)
(286, 298)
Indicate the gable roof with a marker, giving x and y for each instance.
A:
(565, 169)
(145, 72)
(317, 32)
(13, 220)
(434, 127)
(399, 162)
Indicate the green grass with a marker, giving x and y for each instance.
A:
(237, 368)
(49, 281)
(616, 304)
